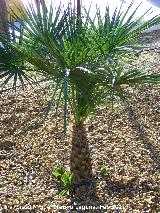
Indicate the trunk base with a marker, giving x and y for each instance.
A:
(80, 161)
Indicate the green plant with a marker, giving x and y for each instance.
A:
(66, 178)
(104, 170)
(59, 172)
(85, 59)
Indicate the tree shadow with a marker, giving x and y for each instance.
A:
(121, 189)
(141, 133)
(84, 188)
(135, 185)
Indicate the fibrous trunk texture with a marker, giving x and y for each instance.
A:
(80, 162)
(3, 15)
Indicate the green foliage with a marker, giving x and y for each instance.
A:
(59, 172)
(104, 170)
(66, 178)
(85, 62)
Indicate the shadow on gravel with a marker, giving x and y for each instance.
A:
(88, 199)
(7, 145)
(143, 136)
(120, 189)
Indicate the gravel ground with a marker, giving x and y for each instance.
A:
(126, 140)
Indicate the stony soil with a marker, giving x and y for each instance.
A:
(126, 140)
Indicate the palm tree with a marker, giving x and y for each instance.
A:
(86, 64)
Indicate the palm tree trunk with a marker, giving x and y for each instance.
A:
(78, 8)
(80, 162)
(3, 16)
(79, 15)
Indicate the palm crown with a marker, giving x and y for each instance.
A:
(81, 57)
